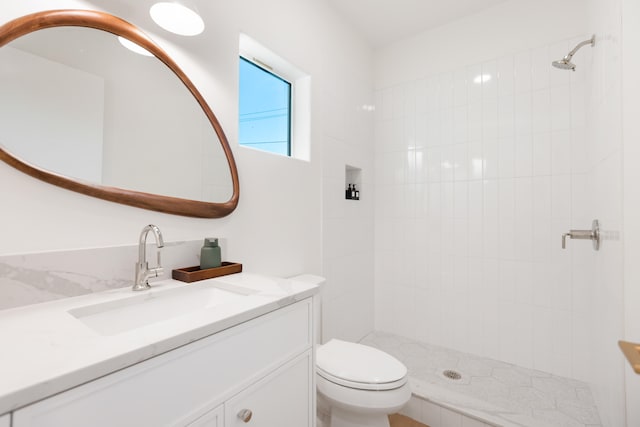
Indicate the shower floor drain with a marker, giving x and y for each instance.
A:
(451, 374)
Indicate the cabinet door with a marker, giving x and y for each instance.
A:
(5, 421)
(212, 418)
(283, 398)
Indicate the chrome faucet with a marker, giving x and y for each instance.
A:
(143, 272)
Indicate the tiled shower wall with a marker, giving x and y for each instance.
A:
(478, 172)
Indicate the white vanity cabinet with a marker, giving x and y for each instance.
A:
(5, 421)
(264, 366)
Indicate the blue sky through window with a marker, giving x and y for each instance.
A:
(265, 107)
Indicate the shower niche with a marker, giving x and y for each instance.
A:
(352, 182)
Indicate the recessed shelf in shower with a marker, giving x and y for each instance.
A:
(352, 182)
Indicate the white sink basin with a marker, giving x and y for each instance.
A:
(148, 307)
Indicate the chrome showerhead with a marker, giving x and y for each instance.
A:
(565, 63)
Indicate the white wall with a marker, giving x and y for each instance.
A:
(631, 150)
(278, 226)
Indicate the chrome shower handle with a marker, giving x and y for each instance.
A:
(593, 235)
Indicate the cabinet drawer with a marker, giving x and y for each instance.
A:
(5, 421)
(282, 399)
(177, 387)
(213, 418)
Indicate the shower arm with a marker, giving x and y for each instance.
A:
(591, 41)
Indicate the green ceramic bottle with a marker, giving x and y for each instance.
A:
(210, 256)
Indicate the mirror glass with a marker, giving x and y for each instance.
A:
(75, 102)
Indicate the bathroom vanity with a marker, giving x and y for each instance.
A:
(242, 354)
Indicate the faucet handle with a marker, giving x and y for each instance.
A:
(156, 272)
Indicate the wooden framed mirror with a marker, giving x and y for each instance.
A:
(98, 154)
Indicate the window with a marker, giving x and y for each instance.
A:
(274, 104)
(265, 109)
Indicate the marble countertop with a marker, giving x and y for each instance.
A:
(46, 350)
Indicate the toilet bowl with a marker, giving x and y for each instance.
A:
(359, 385)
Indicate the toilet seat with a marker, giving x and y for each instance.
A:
(358, 366)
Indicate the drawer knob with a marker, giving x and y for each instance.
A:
(245, 415)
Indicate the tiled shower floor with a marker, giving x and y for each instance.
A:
(495, 392)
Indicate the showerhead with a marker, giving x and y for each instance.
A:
(565, 63)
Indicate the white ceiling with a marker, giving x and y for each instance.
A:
(383, 22)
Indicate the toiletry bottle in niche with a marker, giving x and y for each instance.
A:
(210, 256)
(357, 192)
(348, 192)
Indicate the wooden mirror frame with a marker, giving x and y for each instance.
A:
(112, 24)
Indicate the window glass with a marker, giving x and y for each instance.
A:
(265, 110)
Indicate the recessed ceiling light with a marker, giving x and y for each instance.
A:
(134, 47)
(177, 18)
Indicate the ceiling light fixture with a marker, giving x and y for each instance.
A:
(134, 47)
(177, 17)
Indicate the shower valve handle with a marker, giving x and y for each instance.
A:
(593, 235)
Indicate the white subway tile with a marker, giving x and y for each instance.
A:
(523, 155)
(561, 196)
(561, 152)
(523, 113)
(507, 281)
(446, 126)
(433, 125)
(432, 94)
(490, 80)
(489, 119)
(541, 110)
(386, 106)
(446, 90)
(461, 124)
(475, 161)
(460, 200)
(460, 88)
(420, 94)
(560, 97)
(506, 116)
(460, 162)
(506, 76)
(506, 158)
(398, 102)
(474, 84)
(522, 72)
(490, 159)
(541, 154)
(540, 67)
(474, 121)
(460, 237)
(524, 282)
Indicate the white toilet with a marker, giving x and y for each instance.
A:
(359, 385)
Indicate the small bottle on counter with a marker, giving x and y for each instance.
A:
(210, 256)
(348, 192)
(356, 193)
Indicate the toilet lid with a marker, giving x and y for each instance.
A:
(359, 366)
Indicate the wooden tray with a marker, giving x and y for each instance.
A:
(193, 274)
